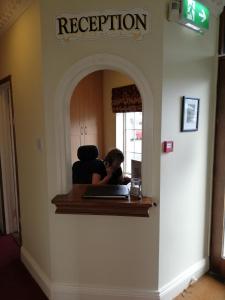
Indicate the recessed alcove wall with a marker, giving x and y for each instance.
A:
(62, 114)
(91, 106)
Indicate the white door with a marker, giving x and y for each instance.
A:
(8, 164)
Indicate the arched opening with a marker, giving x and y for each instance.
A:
(106, 111)
(62, 116)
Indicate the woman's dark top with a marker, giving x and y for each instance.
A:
(115, 178)
(83, 171)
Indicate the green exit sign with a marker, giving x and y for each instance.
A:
(195, 15)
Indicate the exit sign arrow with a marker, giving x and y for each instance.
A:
(202, 14)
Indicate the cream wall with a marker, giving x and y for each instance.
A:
(111, 79)
(103, 251)
(21, 57)
(189, 70)
(135, 254)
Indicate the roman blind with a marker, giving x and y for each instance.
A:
(126, 99)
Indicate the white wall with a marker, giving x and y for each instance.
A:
(103, 250)
(111, 79)
(21, 57)
(189, 70)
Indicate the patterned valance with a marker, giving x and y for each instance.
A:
(126, 99)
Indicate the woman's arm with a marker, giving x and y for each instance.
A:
(96, 178)
(126, 180)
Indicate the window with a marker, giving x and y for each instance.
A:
(129, 137)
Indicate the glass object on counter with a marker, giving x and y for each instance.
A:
(135, 188)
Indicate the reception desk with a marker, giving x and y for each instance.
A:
(74, 203)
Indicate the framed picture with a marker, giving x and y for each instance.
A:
(190, 114)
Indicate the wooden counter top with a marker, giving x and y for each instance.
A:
(73, 203)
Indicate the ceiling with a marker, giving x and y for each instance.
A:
(10, 10)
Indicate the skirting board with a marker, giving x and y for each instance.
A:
(68, 292)
(36, 272)
(168, 292)
(177, 285)
(63, 291)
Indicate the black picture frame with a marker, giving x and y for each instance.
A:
(190, 114)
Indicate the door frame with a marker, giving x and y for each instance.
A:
(217, 263)
(8, 79)
(2, 200)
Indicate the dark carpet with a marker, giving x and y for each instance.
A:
(16, 282)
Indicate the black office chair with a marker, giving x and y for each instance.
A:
(84, 168)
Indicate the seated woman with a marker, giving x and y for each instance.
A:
(110, 172)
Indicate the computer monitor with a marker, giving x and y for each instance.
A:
(135, 169)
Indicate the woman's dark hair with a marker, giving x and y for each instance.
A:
(114, 154)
